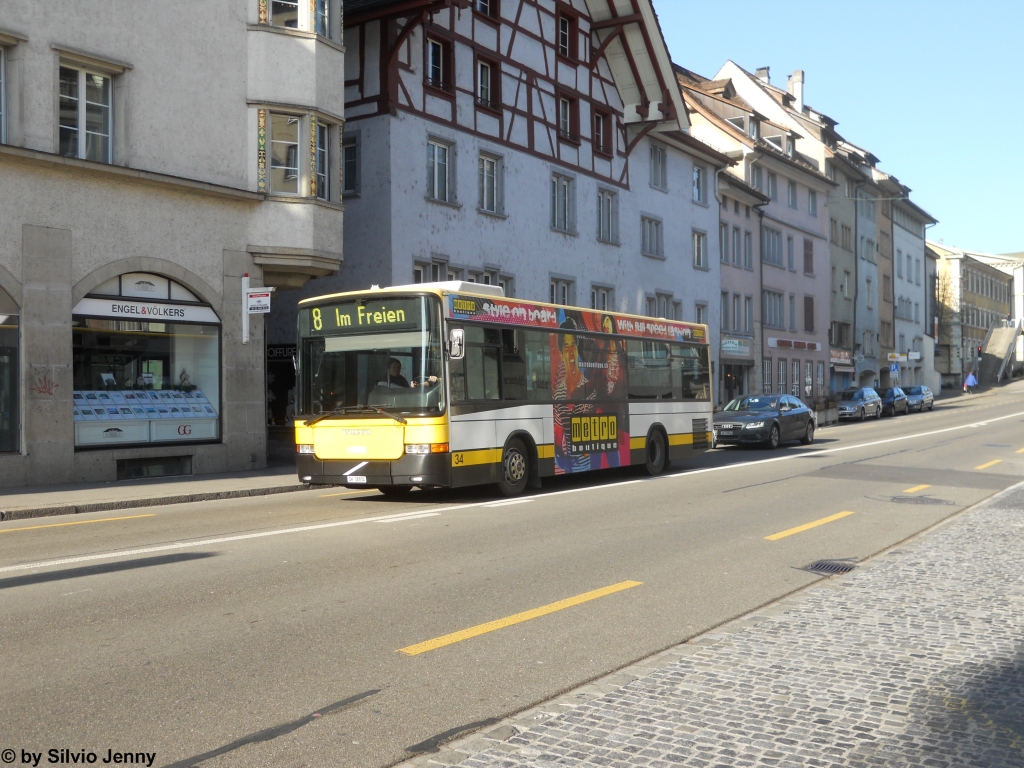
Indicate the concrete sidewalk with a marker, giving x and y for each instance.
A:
(21, 503)
(913, 659)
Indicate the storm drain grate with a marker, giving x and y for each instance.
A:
(921, 500)
(831, 567)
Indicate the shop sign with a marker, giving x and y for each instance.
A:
(896, 357)
(737, 347)
(257, 301)
(841, 357)
(810, 346)
(145, 311)
(913, 355)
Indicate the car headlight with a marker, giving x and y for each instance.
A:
(754, 425)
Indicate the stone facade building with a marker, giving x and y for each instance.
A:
(138, 193)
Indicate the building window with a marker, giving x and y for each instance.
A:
(700, 250)
(659, 166)
(490, 171)
(602, 133)
(284, 13)
(563, 203)
(350, 166)
(748, 250)
(700, 314)
(568, 118)
(561, 292)
(917, 272)
(748, 314)
(652, 237)
(766, 370)
(601, 298)
(869, 294)
(3, 98)
(699, 184)
(438, 173)
(141, 382)
(783, 369)
(323, 162)
(886, 288)
(284, 154)
(322, 21)
(899, 263)
(737, 318)
(771, 248)
(772, 309)
(756, 177)
(845, 286)
(791, 194)
(773, 186)
(812, 202)
(833, 231)
(486, 7)
(790, 256)
(85, 115)
(723, 315)
(437, 66)
(723, 243)
(809, 314)
(792, 312)
(737, 247)
(607, 216)
(566, 36)
(808, 256)
(754, 129)
(847, 243)
(485, 82)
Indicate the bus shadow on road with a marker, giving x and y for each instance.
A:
(96, 570)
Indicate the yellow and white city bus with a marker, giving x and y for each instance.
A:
(452, 384)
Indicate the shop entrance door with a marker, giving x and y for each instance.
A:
(734, 381)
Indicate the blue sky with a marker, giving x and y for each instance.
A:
(933, 89)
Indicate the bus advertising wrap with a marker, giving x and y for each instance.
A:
(497, 310)
(588, 385)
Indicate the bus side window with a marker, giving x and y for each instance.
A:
(513, 365)
(457, 374)
(482, 366)
(538, 366)
(649, 370)
(691, 376)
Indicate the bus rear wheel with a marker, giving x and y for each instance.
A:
(657, 453)
(515, 468)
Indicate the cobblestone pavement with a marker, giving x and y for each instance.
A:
(914, 659)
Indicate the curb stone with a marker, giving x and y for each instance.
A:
(156, 501)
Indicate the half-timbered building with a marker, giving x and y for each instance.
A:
(539, 144)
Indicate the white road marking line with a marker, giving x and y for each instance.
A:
(508, 503)
(438, 511)
(408, 517)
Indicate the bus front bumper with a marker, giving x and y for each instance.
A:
(411, 469)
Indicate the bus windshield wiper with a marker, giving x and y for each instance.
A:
(356, 409)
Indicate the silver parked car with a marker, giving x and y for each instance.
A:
(919, 399)
(859, 404)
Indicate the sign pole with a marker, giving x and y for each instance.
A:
(245, 308)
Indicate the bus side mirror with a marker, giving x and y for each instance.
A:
(456, 343)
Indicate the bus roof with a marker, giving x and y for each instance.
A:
(476, 302)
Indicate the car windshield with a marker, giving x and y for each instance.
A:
(888, 392)
(851, 394)
(759, 403)
(371, 353)
(914, 391)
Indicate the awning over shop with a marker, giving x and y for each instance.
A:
(844, 369)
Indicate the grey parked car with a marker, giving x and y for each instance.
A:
(764, 419)
(859, 404)
(919, 399)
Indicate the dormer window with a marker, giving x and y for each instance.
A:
(754, 129)
(775, 141)
(736, 121)
(790, 143)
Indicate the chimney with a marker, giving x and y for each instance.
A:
(763, 75)
(797, 89)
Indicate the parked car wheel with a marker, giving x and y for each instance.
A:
(862, 415)
(878, 413)
(808, 437)
(773, 437)
(931, 407)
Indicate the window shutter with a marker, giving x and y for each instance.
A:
(809, 313)
(808, 256)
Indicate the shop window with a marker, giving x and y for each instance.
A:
(146, 364)
(9, 367)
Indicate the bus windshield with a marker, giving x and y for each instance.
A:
(371, 353)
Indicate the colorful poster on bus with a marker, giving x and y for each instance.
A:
(511, 311)
(588, 385)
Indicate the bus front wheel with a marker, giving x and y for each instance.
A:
(515, 469)
(657, 453)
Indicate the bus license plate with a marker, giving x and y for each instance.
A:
(357, 479)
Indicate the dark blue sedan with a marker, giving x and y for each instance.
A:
(894, 400)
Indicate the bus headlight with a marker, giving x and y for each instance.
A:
(424, 448)
(303, 448)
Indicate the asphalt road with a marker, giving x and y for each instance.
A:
(268, 631)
